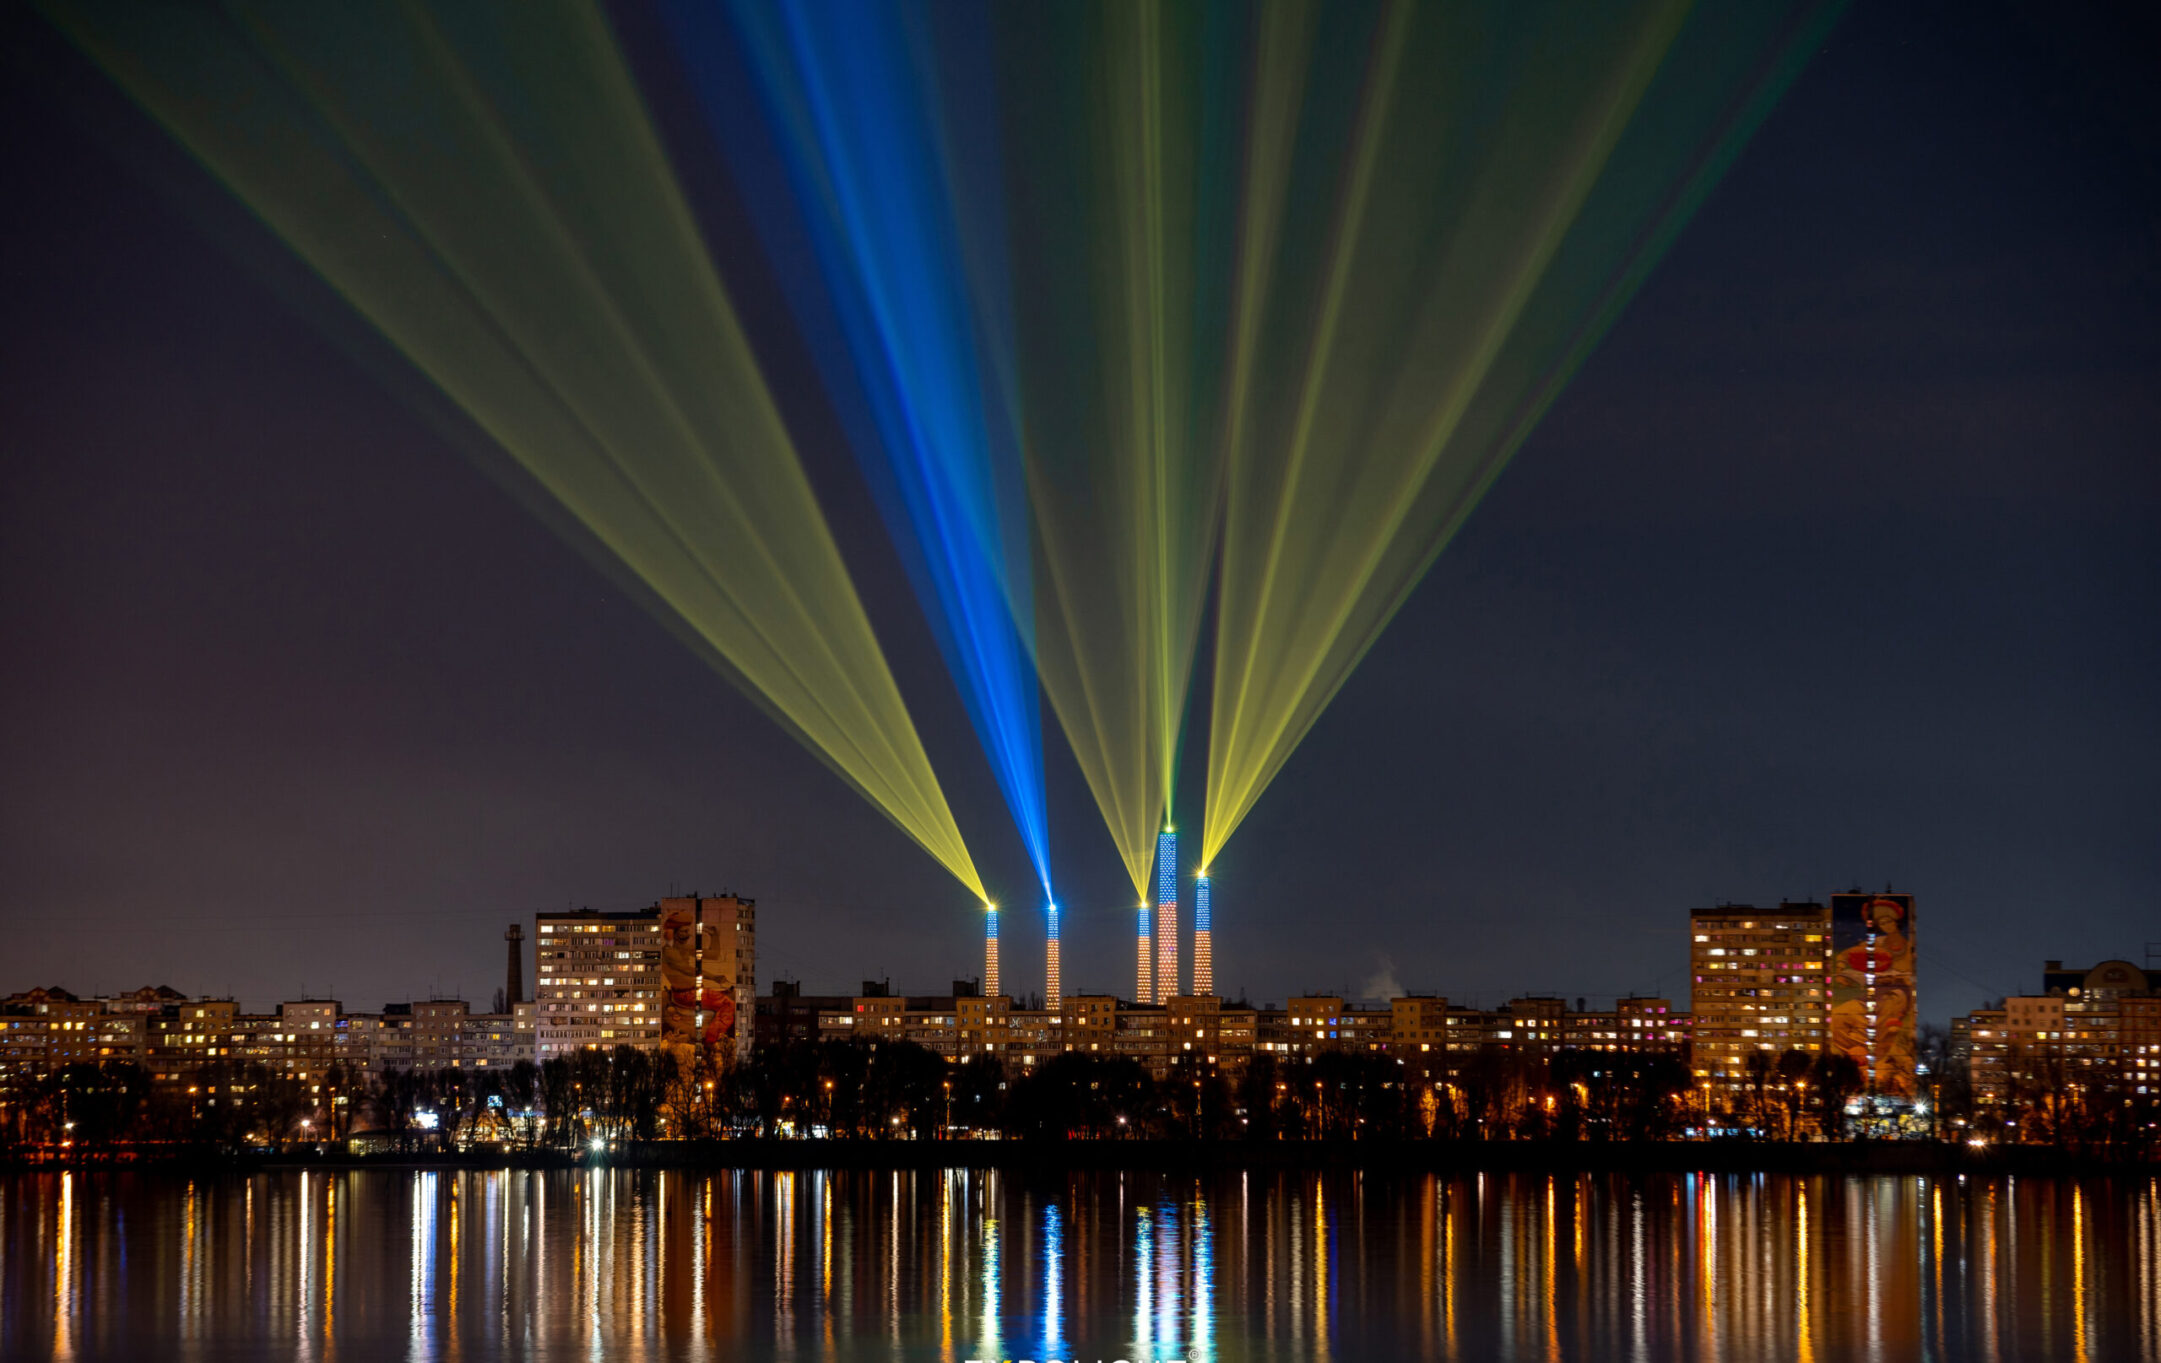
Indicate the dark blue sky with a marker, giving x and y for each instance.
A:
(1837, 565)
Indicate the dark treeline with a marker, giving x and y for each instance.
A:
(899, 1090)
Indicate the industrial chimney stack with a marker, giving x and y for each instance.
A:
(514, 987)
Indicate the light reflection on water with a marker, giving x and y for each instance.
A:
(960, 1264)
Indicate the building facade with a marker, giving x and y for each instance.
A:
(1759, 981)
(2091, 1032)
(596, 981)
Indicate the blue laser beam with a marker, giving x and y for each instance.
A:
(901, 311)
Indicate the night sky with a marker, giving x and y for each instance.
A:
(1837, 565)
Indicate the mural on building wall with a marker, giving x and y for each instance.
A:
(1872, 988)
(698, 1007)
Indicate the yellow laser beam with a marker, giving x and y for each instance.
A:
(1123, 470)
(1504, 176)
(483, 184)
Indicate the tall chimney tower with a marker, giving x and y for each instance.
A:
(1144, 986)
(1204, 956)
(514, 987)
(1053, 986)
(1166, 914)
(990, 952)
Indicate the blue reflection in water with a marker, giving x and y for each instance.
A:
(394, 1264)
(1144, 1246)
(1204, 1282)
(1168, 1262)
(991, 1295)
(1053, 1282)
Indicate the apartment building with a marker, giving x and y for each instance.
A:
(1531, 1024)
(2096, 1028)
(596, 981)
(1759, 981)
(1418, 1022)
(1143, 1034)
(983, 1025)
(787, 1015)
(1313, 1023)
(1090, 1023)
(1193, 1025)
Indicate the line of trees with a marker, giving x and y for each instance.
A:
(899, 1090)
(2049, 1097)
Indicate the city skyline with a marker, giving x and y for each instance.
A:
(1710, 637)
(1781, 997)
(527, 962)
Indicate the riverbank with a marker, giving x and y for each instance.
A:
(1719, 1157)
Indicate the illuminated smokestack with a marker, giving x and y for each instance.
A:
(1053, 987)
(1144, 991)
(1204, 961)
(990, 951)
(1166, 914)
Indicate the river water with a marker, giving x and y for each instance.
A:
(623, 1264)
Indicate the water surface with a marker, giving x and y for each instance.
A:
(382, 1264)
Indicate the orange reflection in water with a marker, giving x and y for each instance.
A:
(960, 1264)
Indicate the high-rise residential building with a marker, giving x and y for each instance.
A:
(1166, 915)
(1759, 980)
(1204, 952)
(1873, 990)
(597, 981)
(708, 973)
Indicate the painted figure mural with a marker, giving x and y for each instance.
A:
(691, 992)
(1872, 988)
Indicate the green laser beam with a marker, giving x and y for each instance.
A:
(483, 184)
(1497, 180)
(1119, 148)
